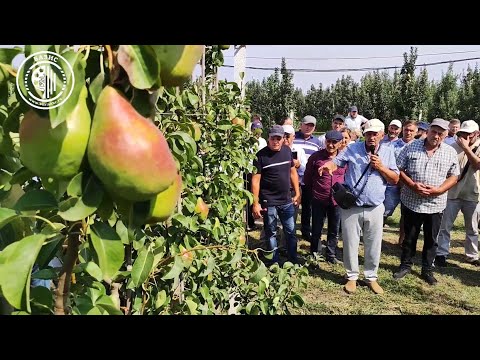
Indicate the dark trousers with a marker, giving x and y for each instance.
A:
(320, 210)
(248, 186)
(412, 224)
(306, 227)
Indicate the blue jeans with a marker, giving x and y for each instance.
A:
(392, 199)
(320, 210)
(286, 214)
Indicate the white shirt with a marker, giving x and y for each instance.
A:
(302, 157)
(261, 143)
(354, 123)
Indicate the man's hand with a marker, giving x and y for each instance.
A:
(376, 162)
(432, 190)
(463, 143)
(297, 163)
(328, 166)
(296, 200)
(257, 211)
(421, 189)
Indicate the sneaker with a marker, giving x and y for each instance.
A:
(441, 261)
(474, 262)
(373, 285)
(401, 273)
(333, 261)
(429, 278)
(350, 287)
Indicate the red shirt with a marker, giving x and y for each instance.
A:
(322, 185)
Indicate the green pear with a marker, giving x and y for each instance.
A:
(201, 209)
(177, 62)
(126, 151)
(56, 153)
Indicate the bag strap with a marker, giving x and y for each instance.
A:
(361, 177)
(465, 169)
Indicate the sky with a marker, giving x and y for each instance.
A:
(347, 57)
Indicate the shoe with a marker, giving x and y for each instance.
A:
(429, 278)
(350, 287)
(333, 261)
(440, 261)
(373, 285)
(401, 273)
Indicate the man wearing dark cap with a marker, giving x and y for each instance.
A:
(428, 169)
(354, 120)
(271, 191)
(305, 139)
(422, 130)
(338, 123)
(323, 204)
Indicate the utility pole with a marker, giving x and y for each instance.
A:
(239, 63)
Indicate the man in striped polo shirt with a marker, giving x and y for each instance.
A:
(428, 169)
(310, 144)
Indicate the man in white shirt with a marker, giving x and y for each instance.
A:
(338, 123)
(354, 120)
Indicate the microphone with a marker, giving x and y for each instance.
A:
(372, 149)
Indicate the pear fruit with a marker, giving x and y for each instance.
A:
(201, 209)
(224, 47)
(198, 131)
(126, 151)
(238, 121)
(177, 62)
(163, 205)
(56, 153)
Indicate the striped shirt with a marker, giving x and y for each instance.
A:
(309, 146)
(414, 161)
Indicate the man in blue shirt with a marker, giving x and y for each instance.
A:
(367, 214)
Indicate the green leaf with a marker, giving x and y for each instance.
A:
(210, 266)
(109, 248)
(106, 303)
(105, 209)
(192, 98)
(175, 270)
(259, 273)
(268, 255)
(96, 86)
(141, 65)
(18, 258)
(161, 299)
(93, 269)
(21, 176)
(7, 54)
(6, 215)
(192, 306)
(297, 300)
(42, 298)
(92, 195)
(122, 231)
(142, 267)
(31, 49)
(75, 186)
(49, 249)
(45, 274)
(36, 200)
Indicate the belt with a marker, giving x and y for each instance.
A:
(367, 206)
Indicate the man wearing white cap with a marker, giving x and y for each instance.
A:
(428, 169)
(393, 131)
(369, 168)
(464, 196)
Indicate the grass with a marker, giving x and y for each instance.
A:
(457, 291)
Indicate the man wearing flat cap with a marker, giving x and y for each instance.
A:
(305, 139)
(271, 184)
(323, 203)
(370, 168)
(464, 196)
(422, 130)
(428, 169)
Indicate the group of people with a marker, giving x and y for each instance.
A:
(431, 171)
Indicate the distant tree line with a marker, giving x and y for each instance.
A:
(378, 95)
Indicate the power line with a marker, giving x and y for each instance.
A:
(356, 69)
(355, 58)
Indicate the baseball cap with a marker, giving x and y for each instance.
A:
(288, 129)
(339, 117)
(441, 123)
(468, 127)
(309, 119)
(276, 130)
(257, 125)
(334, 135)
(353, 108)
(397, 123)
(374, 125)
(422, 125)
